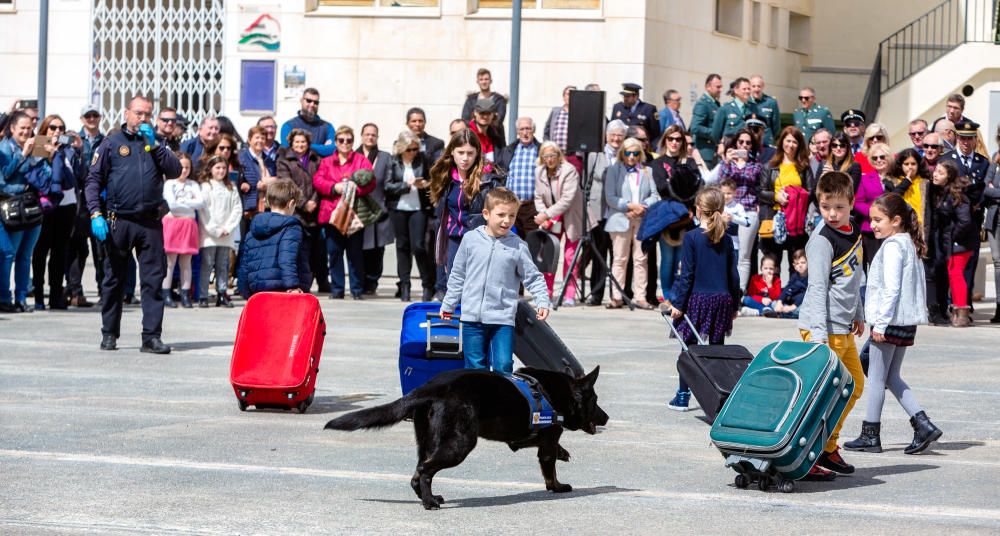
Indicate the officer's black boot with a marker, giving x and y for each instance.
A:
(996, 316)
(203, 303)
(924, 433)
(154, 346)
(404, 292)
(428, 295)
(869, 440)
(109, 342)
(224, 301)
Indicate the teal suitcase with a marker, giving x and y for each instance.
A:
(781, 413)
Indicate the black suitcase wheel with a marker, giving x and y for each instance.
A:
(742, 481)
(787, 486)
(242, 404)
(764, 484)
(304, 405)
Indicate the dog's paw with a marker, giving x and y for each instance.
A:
(431, 504)
(560, 488)
(439, 499)
(562, 455)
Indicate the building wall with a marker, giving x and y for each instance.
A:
(845, 43)
(682, 50)
(373, 68)
(68, 59)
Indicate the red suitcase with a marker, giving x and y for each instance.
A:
(277, 350)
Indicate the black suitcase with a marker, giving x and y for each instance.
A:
(710, 370)
(538, 346)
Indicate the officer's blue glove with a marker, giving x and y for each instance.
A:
(99, 227)
(146, 131)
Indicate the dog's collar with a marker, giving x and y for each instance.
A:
(541, 414)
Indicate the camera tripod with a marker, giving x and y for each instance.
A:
(587, 240)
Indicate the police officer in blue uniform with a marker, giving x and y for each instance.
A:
(633, 111)
(129, 167)
(974, 166)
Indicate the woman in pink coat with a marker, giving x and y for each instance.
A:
(334, 171)
(559, 202)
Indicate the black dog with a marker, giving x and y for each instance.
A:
(454, 408)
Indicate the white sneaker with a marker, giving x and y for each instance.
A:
(747, 311)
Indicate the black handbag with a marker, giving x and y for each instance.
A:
(21, 211)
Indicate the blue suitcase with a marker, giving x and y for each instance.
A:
(773, 426)
(428, 345)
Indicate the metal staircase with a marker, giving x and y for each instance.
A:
(918, 44)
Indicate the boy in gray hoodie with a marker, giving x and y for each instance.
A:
(489, 268)
(831, 311)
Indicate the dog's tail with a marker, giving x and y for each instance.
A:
(377, 417)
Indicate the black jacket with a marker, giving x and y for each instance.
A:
(395, 185)
(765, 189)
(676, 181)
(952, 227)
(433, 147)
(132, 177)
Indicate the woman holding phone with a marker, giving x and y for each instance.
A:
(51, 248)
(409, 204)
(17, 163)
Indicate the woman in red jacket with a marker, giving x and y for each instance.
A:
(334, 171)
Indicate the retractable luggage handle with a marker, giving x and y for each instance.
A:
(670, 322)
(444, 324)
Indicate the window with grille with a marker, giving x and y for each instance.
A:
(167, 50)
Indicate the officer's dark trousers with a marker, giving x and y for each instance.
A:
(146, 237)
(598, 275)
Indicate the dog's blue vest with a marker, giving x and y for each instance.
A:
(540, 412)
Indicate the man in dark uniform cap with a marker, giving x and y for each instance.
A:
(974, 166)
(633, 111)
(130, 167)
(854, 126)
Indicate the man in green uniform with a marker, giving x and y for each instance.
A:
(767, 108)
(703, 117)
(730, 118)
(811, 116)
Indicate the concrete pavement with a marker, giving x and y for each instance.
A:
(128, 443)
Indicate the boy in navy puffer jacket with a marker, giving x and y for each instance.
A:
(272, 258)
(794, 292)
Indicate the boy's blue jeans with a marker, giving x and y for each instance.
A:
(488, 344)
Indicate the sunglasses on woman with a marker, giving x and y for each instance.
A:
(879, 157)
(837, 146)
(674, 139)
(345, 140)
(631, 153)
(743, 142)
(877, 137)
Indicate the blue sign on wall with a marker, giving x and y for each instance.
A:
(257, 86)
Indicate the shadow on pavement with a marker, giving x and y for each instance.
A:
(517, 498)
(198, 345)
(336, 404)
(864, 476)
(935, 446)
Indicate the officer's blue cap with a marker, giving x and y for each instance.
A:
(967, 128)
(629, 88)
(852, 114)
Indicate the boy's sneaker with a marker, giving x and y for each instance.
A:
(747, 311)
(818, 474)
(835, 462)
(680, 401)
(769, 313)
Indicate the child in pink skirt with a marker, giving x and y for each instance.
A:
(180, 229)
